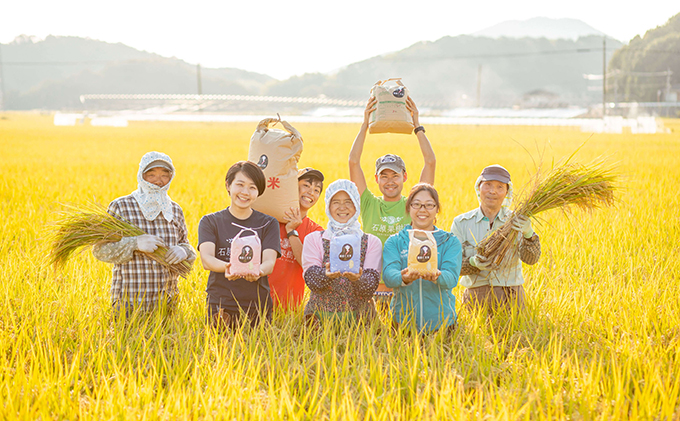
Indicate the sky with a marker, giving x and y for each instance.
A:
(282, 39)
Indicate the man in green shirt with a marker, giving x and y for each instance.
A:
(386, 215)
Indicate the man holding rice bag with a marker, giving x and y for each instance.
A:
(485, 286)
(385, 215)
(286, 283)
(422, 264)
(239, 246)
(138, 281)
(341, 264)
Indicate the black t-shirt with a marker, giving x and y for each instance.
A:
(219, 228)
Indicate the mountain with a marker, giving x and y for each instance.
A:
(540, 28)
(638, 70)
(444, 73)
(439, 74)
(53, 73)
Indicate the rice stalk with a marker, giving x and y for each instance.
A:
(90, 225)
(565, 187)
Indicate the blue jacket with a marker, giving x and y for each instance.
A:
(432, 305)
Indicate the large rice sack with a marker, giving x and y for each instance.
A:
(391, 114)
(277, 152)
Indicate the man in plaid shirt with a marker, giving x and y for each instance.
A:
(138, 281)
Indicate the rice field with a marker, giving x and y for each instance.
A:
(600, 338)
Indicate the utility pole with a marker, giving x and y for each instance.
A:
(479, 86)
(198, 79)
(604, 75)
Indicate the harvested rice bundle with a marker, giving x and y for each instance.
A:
(92, 224)
(586, 187)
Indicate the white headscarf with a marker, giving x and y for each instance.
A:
(152, 199)
(507, 202)
(352, 226)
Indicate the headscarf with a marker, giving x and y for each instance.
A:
(507, 202)
(152, 199)
(352, 226)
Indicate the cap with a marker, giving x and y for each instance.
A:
(310, 172)
(497, 173)
(159, 164)
(389, 161)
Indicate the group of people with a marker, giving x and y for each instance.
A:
(297, 252)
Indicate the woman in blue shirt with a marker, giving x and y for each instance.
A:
(422, 299)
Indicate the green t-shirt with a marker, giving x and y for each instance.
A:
(382, 218)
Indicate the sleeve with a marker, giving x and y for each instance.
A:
(450, 264)
(312, 252)
(466, 268)
(183, 240)
(117, 252)
(530, 249)
(207, 233)
(367, 283)
(312, 263)
(271, 236)
(316, 279)
(367, 200)
(392, 262)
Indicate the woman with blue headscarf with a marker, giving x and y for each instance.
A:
(341, 294)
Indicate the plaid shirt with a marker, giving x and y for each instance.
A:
(136, 278)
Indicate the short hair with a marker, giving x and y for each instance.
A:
(311, 179)
(251, 171)
(422, 187)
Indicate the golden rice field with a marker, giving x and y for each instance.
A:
(600, 339)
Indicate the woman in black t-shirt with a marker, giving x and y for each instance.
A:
(230, 293)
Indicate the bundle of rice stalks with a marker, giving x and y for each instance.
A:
(568, 186)
(92, 224)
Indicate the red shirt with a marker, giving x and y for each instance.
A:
(286, 284)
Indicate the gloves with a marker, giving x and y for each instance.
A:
(148, 243)
(176, 254)
(523, 224)
(480, 262)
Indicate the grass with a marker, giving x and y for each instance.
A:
(600, 338)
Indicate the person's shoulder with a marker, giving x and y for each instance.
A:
(467, 215)
(309, 225)
(266, 220)
(314, 236)
(368, 196)
(221, 214)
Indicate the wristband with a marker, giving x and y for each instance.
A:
(419, 129)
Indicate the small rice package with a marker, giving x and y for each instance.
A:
(391, 114)
(277, 153)
(422, 252)
(246, 254)
(345, 253)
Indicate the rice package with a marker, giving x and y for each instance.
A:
(422, 252)
(391, 114)
(345, 253)
(277, 153)
(246, 254)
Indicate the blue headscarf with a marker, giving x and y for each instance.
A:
(352, 226)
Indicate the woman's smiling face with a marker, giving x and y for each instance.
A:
(242, 191)
(342, 207)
